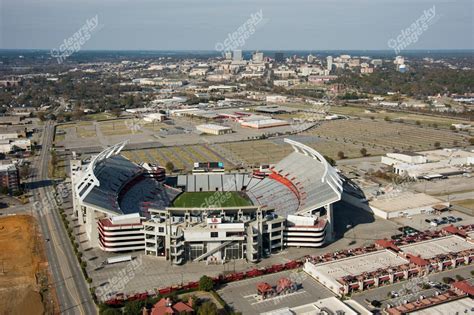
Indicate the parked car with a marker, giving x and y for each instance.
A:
(434, 223)
(459, 219)
(427, 220)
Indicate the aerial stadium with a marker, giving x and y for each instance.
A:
(209, 215)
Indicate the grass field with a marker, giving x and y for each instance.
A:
(467, 203)
(211, 199)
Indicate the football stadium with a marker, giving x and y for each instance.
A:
(209, 215)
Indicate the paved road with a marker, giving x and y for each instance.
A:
(71, 287)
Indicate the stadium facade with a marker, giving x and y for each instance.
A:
(125, 206)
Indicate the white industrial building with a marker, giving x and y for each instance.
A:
(154, 117)
(405, 204)
(213, 129)
(430, 164)
(264, 123)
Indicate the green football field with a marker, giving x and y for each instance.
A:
(211, 199)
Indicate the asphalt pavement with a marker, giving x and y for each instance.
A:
(71, 287)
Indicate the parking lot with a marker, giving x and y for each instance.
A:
(419, 221)
(242, 295)
(408, 290)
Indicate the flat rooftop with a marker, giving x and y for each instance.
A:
(361, 263)
(332, 303)
(405, 201)
(454, 307)
(213, 127)
(443, 245)
(443, 154)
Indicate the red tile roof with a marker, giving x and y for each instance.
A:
(417, 260)
(183, 307)
(454, 230)
(464, 286)
(165, 306)
(387, 244)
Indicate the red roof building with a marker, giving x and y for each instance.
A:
(387, 245)
(420, 262)
(465, 287)
(166, 306)
(451, 229)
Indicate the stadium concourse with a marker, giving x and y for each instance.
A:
(126, 206)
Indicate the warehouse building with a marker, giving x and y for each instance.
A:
(214, 129)
(265, 123)
(430, 164)
(405, 204)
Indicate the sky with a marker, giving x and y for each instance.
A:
(202, 24)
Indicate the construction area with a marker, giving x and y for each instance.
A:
(24, 282)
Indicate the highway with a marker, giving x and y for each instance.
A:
(71, 288)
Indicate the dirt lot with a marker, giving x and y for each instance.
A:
(22, 262)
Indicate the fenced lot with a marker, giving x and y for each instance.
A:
(182, 157)
(387, 136)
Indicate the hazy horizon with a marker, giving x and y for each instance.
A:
(187, 25)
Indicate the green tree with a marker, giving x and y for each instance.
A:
(206, 283)
(363, 151)
(25, 170)
(54, 158)
(110, 311)
(117, 112)
(331, 161)
(207, 308)
(41, 116)
(134, 307)
(78, 114)
(341, 155)
(447, 280)
(169, 166)
(437, 144)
